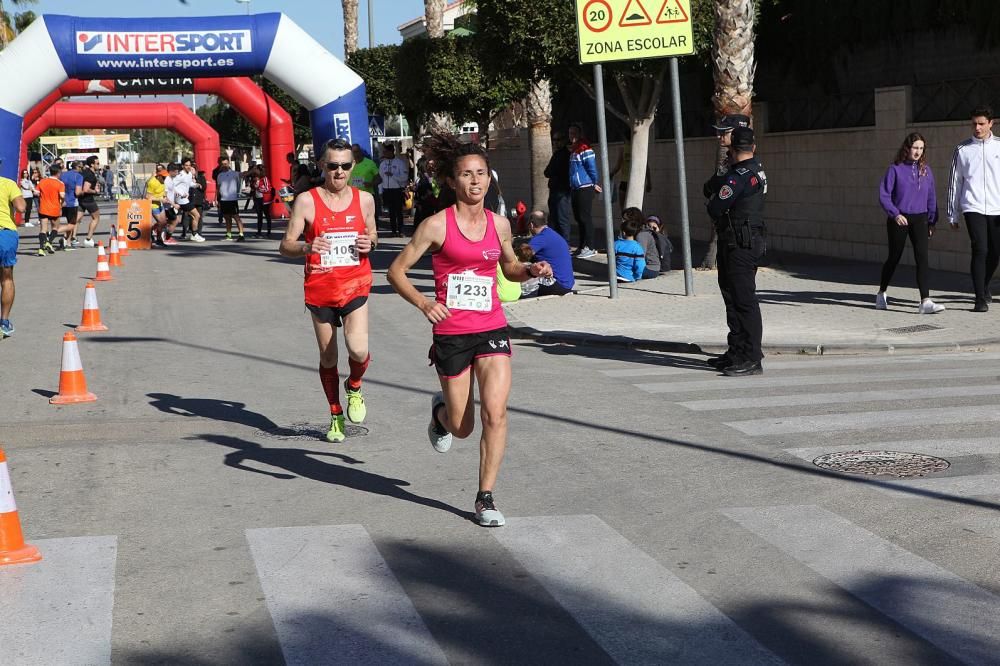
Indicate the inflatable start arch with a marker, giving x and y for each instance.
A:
(55, 48)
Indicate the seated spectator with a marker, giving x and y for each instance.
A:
(526, 255)
(507, 291)
(549, 246)
(630, 258)
(657, 247)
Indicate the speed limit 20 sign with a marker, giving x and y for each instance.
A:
(612, 30)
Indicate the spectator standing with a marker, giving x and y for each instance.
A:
(630, 258)
(549, 246)
(426, 192)
(394, 173)
(583, 184)
(109, 183)
(11, 202)
(908, 198)
(656, 246)
(28, 194)
(263, 197)
(229, 184)
(974, 192)
(557, 171)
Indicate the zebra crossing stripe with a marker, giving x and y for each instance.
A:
(930, 447)
(333, 598)
(932, 602)
(804, 399)
(786, 425)
(58, 611)
(635, 609)
(979, 485)
(818, 378)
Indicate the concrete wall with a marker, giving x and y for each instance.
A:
(822, 185)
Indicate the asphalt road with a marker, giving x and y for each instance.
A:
(657, 513)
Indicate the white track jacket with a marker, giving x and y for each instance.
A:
(974, 185)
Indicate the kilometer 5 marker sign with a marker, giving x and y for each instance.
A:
(611, 30)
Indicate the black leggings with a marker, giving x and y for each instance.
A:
(582, 201)
(984, 232)
(263, 210)
(917, 231)
(27, 209)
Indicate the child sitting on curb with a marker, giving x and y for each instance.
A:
(630, 257)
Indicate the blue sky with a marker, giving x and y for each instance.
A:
(321, 18)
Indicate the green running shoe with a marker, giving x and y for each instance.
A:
(41, 252)
(336, 432)
(356, 410)
(49, 248)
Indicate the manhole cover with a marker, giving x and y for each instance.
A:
(919, 328)
(307, 431)
(882, 463)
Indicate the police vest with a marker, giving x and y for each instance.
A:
(750, 207)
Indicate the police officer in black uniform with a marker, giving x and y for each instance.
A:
(736, 206)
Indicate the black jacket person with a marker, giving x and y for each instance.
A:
(736, 206)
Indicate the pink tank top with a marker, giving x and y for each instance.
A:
(465, 279)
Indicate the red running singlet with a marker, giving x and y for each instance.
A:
(465, 279)
(340, 276)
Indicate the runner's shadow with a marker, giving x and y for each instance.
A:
(217, 410)
(300, 463)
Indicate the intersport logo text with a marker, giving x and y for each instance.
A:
(171, 43)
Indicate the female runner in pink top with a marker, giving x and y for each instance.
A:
(470, 329)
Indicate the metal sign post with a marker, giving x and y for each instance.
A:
(622, 30)
(675, 92)
(609, 226)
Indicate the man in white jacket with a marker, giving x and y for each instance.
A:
(974, 192)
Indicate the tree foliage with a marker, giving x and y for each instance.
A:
(377, 67)
(235, 130)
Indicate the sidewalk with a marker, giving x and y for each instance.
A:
(809, 305)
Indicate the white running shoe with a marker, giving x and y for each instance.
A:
(930, 307)
(198, 238)
(586, 253)
(487, 513)
(30, 224)
(88, 242)
(440, 438)
(881, 302)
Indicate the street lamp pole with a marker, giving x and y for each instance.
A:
(371, 26)
(247, 3)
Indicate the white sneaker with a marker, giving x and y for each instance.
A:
(440, 438)
(487, 513)
(30, 224)
(930, 307)
(881, 302)
(88, 242)
(198, 238)
(586, 253)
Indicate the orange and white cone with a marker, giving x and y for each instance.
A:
(72, 383)
(103, 270)
(122, 243)
(90, 320)
(13, 550)
(114, 258)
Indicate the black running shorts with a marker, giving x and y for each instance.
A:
(335, 316)
(69, 212)
(452, 355)
(89, 206)
(229, 207)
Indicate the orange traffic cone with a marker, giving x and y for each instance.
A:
(13, 550)
(114, 258)
(103, 270)
(122, 243)
(91, 318)
(72, 383)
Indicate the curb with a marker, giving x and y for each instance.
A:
(521, 331)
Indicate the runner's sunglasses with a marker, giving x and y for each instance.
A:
(343, 166)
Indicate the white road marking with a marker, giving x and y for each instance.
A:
(786, 425)
(945, 609)
(804, 399)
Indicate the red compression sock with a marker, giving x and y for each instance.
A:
(331, 386)
(357, 372)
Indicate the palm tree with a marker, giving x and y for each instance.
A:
(733, 66)
(11, 25)
(434, 17)
(350, 26)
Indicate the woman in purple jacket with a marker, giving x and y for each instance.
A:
(908, 198)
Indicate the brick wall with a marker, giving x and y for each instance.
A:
(823, 185)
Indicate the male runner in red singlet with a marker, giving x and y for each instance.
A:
(338, 222)
(470, 329)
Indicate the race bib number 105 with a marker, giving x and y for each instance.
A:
(468, 291)
(343, 250)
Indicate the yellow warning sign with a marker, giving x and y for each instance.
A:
(611, 30)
